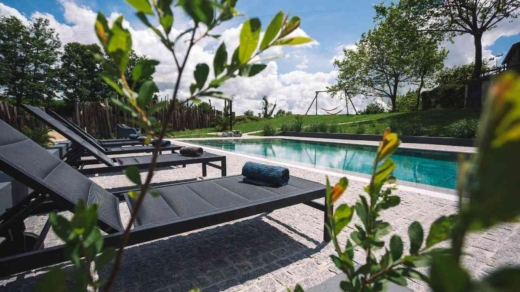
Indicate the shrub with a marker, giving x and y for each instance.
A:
(312, 128)
(297, 125)
(407, 102)
(280, 113)
(360, 128)
(464, 129)
(333, 128)
(414, 129)
(322, 127)
(269, 130)
(285, 128)
(374, 108)
(39, 135)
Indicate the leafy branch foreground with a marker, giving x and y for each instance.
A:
(117, 44)
(487, 180)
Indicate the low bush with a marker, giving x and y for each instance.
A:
(464, 129)
(333, 128)
(360, 129)
(297, 125)
(285, 128)
(39, 135)
(374, 108)
(269, 130)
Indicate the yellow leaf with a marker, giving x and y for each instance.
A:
(339, 189)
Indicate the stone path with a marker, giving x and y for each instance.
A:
(271, 251)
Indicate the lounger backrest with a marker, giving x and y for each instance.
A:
(35, 167)
(67, 133)
(75, 128)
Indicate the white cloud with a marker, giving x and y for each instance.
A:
(9, 11)
(292, 91)
(340, 55)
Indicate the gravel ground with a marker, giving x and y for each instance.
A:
(271, 251)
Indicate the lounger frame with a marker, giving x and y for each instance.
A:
(53, 255)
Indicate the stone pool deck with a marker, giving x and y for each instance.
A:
(271, 251)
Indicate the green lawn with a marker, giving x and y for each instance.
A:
(425, 123)
(433, 123)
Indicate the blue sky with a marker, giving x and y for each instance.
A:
(292, 80)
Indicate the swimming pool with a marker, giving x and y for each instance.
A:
(434, 168)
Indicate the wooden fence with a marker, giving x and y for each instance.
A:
(100, 118)
(17, 117)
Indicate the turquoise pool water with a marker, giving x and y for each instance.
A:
(432, 168)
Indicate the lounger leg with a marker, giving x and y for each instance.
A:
(223, 168)
(326, 236)
(204, 170)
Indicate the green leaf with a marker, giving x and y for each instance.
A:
(251, 70)
(146, 93)
(122, 105)
(272, 30)
(503, 279)
(60, 226)
(54, 280)
(154, 193)
(249, 36)
(382, 229)
(112, 83)
(158, 106)
(397, 278)
(447, 276)
(201, 74)
(144, 20)
(396, 247)
(293, 41)
(290, 26)
(75, 254)
(95, 239)
(91, 218)
(390, 202)
(133, 174)
(440, 230)
(362, 211)
(165, 15)
(416, 234)
(105, 257)
(217, 82)
(216, 94)
(220, 60)
(342, 217)
(141, 6)
(144, 69)
(198, 10)
(119, 44)
(414, 274)
(193, 88)
(349, 250)
(102, 29)
(384, 171)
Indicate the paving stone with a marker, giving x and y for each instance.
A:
(268, 285)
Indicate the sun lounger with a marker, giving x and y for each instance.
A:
(180, 208)
(85, 135)
(83, 144)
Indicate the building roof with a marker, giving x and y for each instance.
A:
(514, 48)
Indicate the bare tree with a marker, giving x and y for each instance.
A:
(267, 108)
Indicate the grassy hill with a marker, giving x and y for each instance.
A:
(428, 123)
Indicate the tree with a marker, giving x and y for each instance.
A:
(427, 59)
(28, 56)
(267, 108)
(280, 113)
(379, 65)
(249, 113)
(80, 73)
(458, 17)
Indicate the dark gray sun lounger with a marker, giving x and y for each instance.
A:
(179, 208)
(86, 136)
(82, 143)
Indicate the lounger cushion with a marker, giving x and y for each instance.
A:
(179, 202)
(146, 159)
(46, 173)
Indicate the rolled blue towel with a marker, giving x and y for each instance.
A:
(133, 136)
(191, 151)
(165, 143)
(265, 175)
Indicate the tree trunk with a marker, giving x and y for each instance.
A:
(419, 94)
(477, 71)
(394, 106)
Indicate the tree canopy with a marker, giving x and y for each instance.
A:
(386, 58)
(28, 56)
(458, 17)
